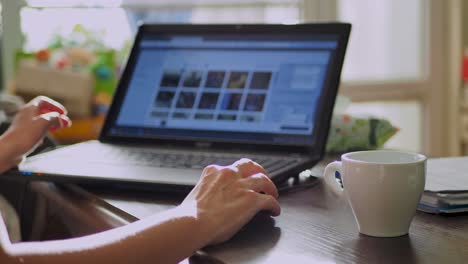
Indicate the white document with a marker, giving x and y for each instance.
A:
(447, 174)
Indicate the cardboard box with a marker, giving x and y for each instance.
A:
(73, 89)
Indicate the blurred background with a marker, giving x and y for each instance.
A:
(404, 63)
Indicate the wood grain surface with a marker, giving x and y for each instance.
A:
(315, 226)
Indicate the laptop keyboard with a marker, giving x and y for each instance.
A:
(199, 160)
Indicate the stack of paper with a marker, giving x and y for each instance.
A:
(446, 188)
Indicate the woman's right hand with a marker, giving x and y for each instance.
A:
(227, 197)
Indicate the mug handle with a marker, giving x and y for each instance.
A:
(330, 178)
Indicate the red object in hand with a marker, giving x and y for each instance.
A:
(465, 68)
(46, 105)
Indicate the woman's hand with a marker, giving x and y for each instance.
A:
(227, 197)
(29, 127)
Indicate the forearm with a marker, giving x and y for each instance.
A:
(8, 155)
(164, 238)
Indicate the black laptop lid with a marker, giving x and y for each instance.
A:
(262, 86)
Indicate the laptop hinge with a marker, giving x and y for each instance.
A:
(203, 145)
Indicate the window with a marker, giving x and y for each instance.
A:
(387, 53)
(388, 40)
(400, 53)
(115, 21)
(108, 24)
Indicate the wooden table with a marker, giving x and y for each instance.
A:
(315, 226)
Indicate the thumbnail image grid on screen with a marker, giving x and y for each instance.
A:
(227, 95)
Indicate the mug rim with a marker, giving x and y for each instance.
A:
(420, 157)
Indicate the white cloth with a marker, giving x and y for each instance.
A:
(3, 117)
(9, 104)
(11, 220)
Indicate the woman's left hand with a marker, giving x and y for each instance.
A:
(29, 127)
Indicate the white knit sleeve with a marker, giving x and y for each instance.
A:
(11, 220)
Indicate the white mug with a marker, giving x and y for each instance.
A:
(382, 187)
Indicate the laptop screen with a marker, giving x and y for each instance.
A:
(226, 87)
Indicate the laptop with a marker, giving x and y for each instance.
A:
(194, 95)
